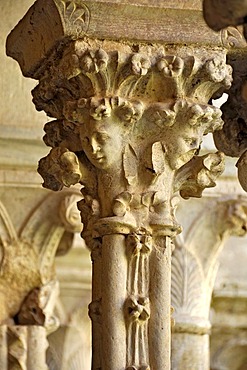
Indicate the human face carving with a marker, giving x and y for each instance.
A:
(102, 142)
(181, 148)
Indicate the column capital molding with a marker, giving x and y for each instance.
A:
(52, 23)
(191, 325)
(131, 109)
(103, 92)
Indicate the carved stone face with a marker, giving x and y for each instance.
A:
(181, 147)
(102, 142)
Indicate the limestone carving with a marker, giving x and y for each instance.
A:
(38, 307)
(187, 283)
(137, 303)
(232, 37)
(129, 178)
(27, 266)
(129, 121)
(227, 217)
(69, 345)
(111, 125)
(20, 346)
(202, 172)
(232, 139)
(75, 13)
(194, 268)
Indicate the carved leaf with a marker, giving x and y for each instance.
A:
(130, 165)
(121, 203)
(200, 173)
(7, 231)
(79, 14)
(158, 158)
(70, 7)
(17, 350)
(59, 168)
(186, 282)
(70, 214)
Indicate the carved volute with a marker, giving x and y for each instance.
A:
(129, 120)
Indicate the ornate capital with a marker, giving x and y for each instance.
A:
(129, 120)
(194, 268)
(106, 98)
(128, 127)
(232, 138)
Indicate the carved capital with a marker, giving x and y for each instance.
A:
(232, 138)
(105, 98)
(129, 121)
(194, 267)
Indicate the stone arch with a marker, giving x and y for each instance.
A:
(231, 356)
(27, 259)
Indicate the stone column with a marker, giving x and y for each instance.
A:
(23, 347)
(194, 268)
(129, 119)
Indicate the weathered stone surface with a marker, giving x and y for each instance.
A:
(232, 139)
(129, 20)
(129, 120)
(23, 347)
(27, 261)
(19, 119)
(229, 336)
(193, 274)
